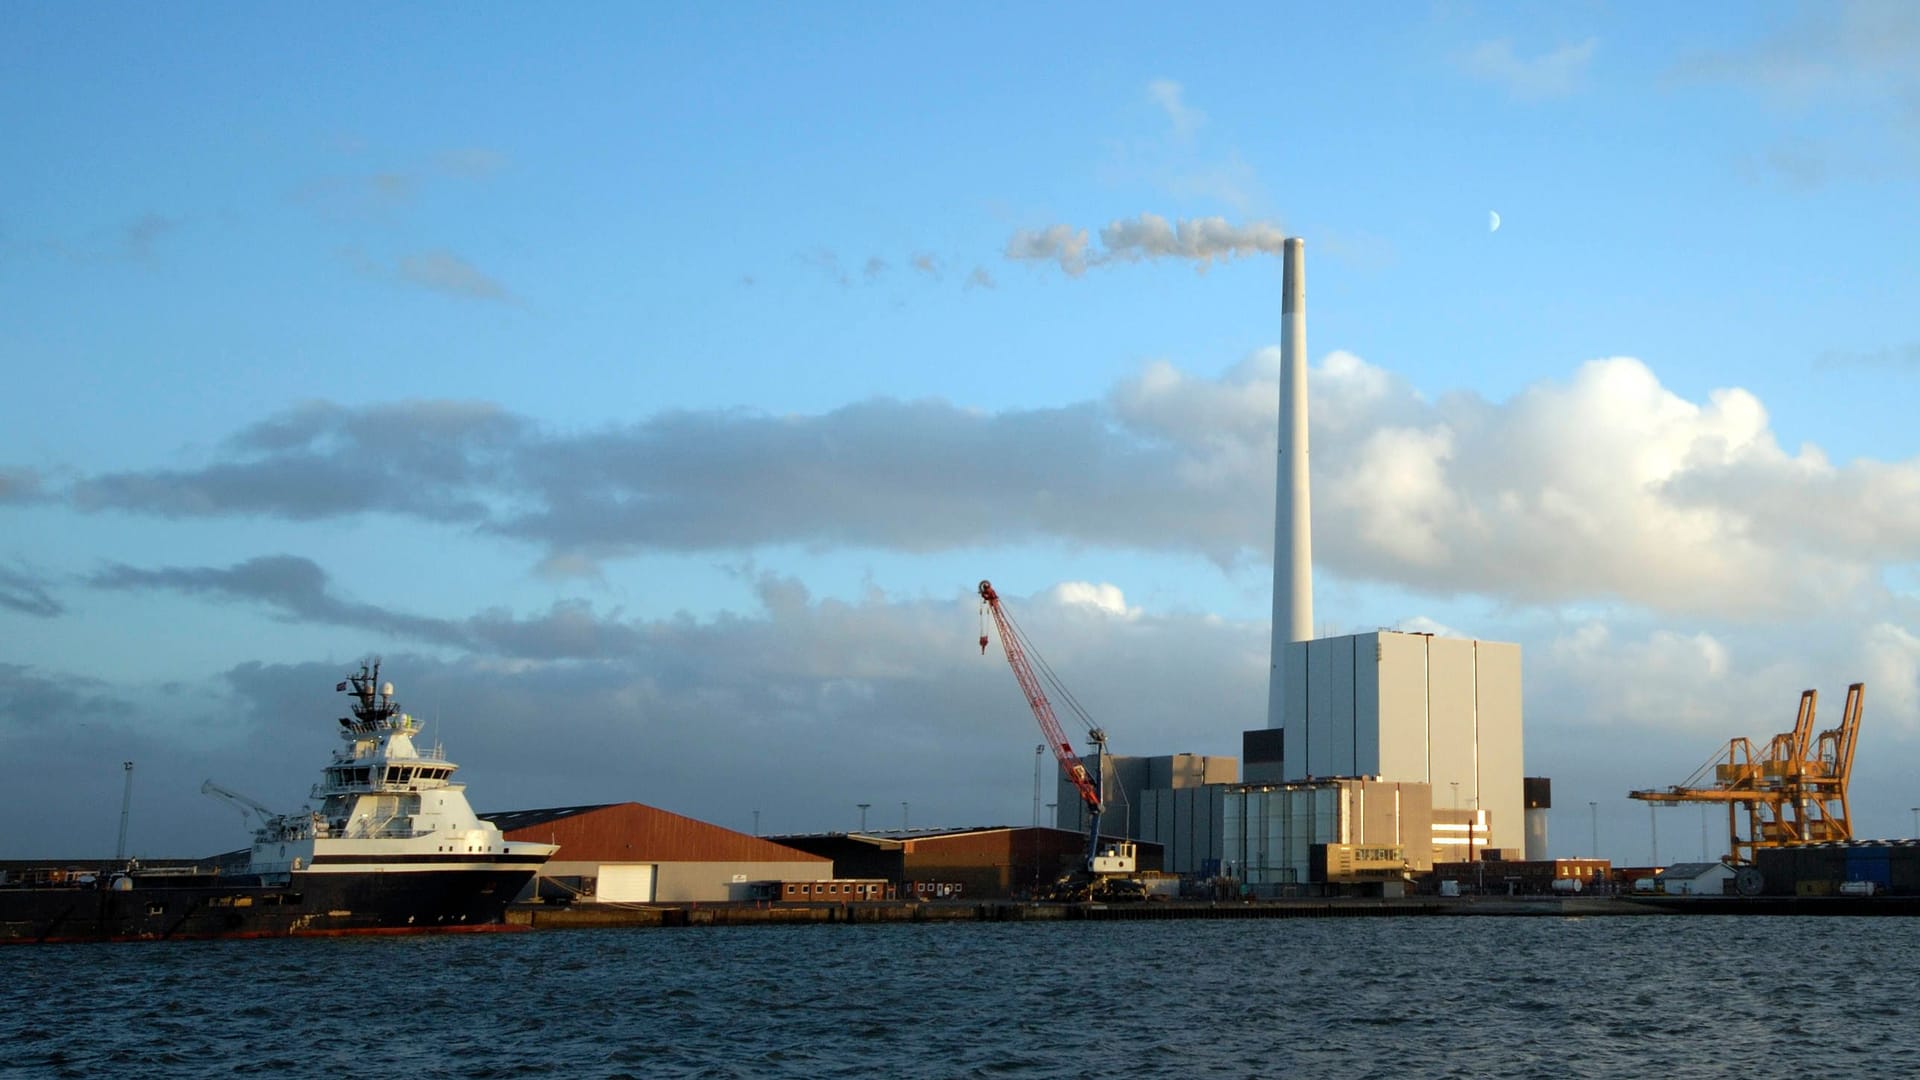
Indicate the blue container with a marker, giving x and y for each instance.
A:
(1870, 864)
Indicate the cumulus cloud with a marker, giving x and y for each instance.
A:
(1103, 597)
(887, 698)
(1604, 485)
(1890, 655)
(1550, 74)
(1146, 237)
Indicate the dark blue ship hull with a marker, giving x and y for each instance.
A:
(228, 906)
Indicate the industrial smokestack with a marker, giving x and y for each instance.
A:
(1293, 511)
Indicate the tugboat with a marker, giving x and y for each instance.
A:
(393, 848)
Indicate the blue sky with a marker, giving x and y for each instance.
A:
(651, 385)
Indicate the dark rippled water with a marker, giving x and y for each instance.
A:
(1666, 997)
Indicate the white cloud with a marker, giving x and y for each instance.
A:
(1551, 74)
(1104, 598)
(1604, 486)
(1170, 96)
(1891, 656)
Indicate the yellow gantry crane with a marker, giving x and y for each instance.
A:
(1792, 791)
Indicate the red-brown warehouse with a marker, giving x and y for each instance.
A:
(633, 853)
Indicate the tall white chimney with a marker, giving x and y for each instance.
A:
(1293, 508)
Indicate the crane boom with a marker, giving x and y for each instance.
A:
(1792, 792)
(1070, 763)
(239, 801)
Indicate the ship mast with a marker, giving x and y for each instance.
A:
(374, 704)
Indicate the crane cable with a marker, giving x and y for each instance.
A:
(1045, 669)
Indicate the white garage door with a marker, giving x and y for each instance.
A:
(631, 884)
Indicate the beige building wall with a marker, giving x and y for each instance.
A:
(683, 882)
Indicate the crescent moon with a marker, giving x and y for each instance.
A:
(1493, 221)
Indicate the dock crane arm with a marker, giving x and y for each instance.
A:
(1070, 765)
(240, 802)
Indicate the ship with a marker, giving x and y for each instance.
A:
(393, 848)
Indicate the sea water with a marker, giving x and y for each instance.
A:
(1414, 997)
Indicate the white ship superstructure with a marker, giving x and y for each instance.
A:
(393, 848)
(385, 805)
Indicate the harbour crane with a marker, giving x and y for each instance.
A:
(1792, 791)
(1103, 869)
(241, 803)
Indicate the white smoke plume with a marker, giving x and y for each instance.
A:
(1148, 236)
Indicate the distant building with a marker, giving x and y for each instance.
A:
(633, 853)
(1172, 800)
(1695, 879)
(1269, 832)
(985, 863)
(1529, 877)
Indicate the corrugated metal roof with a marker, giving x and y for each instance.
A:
(508, 820)
(635, 832)
(1689, 870)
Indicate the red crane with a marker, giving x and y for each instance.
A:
(1011, 640)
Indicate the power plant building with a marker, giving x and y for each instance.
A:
(1173, 801)
(1275, 836)
(1410, 708)
(1378, 741)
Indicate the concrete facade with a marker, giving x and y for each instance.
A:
(1187, 823)
(1268, 832)
(1410, 708)
(1128, 785)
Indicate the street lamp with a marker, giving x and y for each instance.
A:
(863, 815)
(1037, 751)
(1593, 808)
(903, 817)
(1916, 821)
